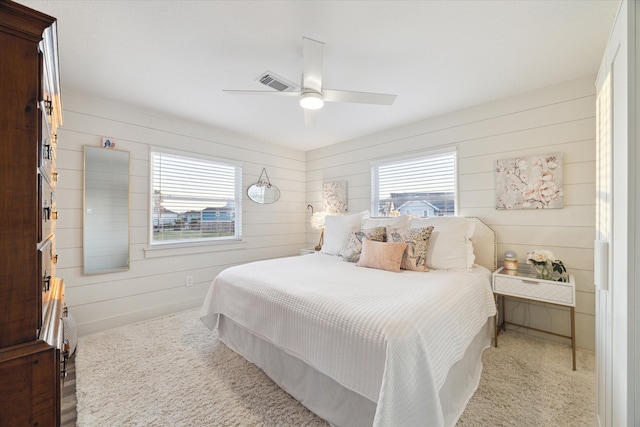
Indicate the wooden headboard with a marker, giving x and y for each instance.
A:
(485, 245)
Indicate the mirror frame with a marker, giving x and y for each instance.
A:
(89, 251)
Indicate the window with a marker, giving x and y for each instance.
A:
(423, 186)
(194, 198)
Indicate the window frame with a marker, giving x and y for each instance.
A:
(423, 154)
(192, 242)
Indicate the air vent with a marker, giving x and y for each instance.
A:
(276, 82)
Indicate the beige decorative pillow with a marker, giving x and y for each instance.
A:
(352, 252)
(382, 255)
(417, 240)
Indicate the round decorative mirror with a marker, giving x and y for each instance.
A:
(263, 191)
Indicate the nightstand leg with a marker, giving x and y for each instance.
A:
(573, 336)
(504, 319)
(495, 322)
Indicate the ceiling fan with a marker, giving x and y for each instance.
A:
(311, 93)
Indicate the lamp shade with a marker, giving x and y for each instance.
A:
(317, 220)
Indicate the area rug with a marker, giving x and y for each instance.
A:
(173, 371)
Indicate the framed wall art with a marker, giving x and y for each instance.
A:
(334, 196)
(532, 182)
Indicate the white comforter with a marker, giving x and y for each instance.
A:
(392, 337)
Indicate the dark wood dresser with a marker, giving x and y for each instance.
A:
(32, 348)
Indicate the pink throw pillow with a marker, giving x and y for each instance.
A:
(381, 255)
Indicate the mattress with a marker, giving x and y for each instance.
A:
(391, 338)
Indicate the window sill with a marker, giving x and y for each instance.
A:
(168, 250)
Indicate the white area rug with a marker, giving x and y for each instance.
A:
(173, 371)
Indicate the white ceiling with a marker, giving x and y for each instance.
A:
(176, 57)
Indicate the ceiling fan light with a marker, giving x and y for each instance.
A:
(311, 101)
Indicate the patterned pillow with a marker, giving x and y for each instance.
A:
(417, 240)
(352, 252)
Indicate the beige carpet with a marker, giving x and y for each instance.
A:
(173, 372)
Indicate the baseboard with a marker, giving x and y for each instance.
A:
(104, 324)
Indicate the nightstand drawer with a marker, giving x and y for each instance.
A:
(542, 290)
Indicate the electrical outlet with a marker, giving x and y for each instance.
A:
(189, 281)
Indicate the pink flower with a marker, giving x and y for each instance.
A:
(546, 175)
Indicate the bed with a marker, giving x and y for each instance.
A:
(367, 346)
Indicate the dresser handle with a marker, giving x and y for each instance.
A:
(64, 357)
(54, 214)
(530, 282)
(55, 259)
(46, 281)
(48, 107)
(46, 151)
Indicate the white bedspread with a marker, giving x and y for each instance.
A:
(392, 337)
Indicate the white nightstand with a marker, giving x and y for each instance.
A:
(307, 251)
(525, 284)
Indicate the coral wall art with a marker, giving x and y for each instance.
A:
(533, 182)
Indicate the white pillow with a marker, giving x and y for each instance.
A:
(399, 222)
(450, 246)
(338, 229)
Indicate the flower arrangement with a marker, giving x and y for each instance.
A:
(546, 263)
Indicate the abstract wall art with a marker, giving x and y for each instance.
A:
(334, 197)
(532, 182)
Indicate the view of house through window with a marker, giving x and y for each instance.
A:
(423, 186)
(194, 198)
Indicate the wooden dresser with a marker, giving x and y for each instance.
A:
(32, 348)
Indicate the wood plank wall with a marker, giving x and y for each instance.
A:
(155, 283)
(557, 118)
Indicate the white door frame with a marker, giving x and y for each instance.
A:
(617, 224)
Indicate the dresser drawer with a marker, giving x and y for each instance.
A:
(47, 149)
(48, 213)
(47, 272)
(541, 290)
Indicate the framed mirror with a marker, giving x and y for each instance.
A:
(106, 210)
(263, 191)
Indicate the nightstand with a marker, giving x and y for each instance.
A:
(307, 251)
(525, 284)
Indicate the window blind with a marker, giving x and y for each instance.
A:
(423, 186)
(194, 198)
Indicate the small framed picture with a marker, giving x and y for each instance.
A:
(108, 143)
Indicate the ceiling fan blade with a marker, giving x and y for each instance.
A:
(358, 97)
(310, 117)
(261, 92)
(313, 58)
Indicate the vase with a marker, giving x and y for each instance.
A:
(544, 271)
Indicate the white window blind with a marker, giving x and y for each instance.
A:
(194, 199)
(423, 186)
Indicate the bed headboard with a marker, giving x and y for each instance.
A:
(485, 244)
